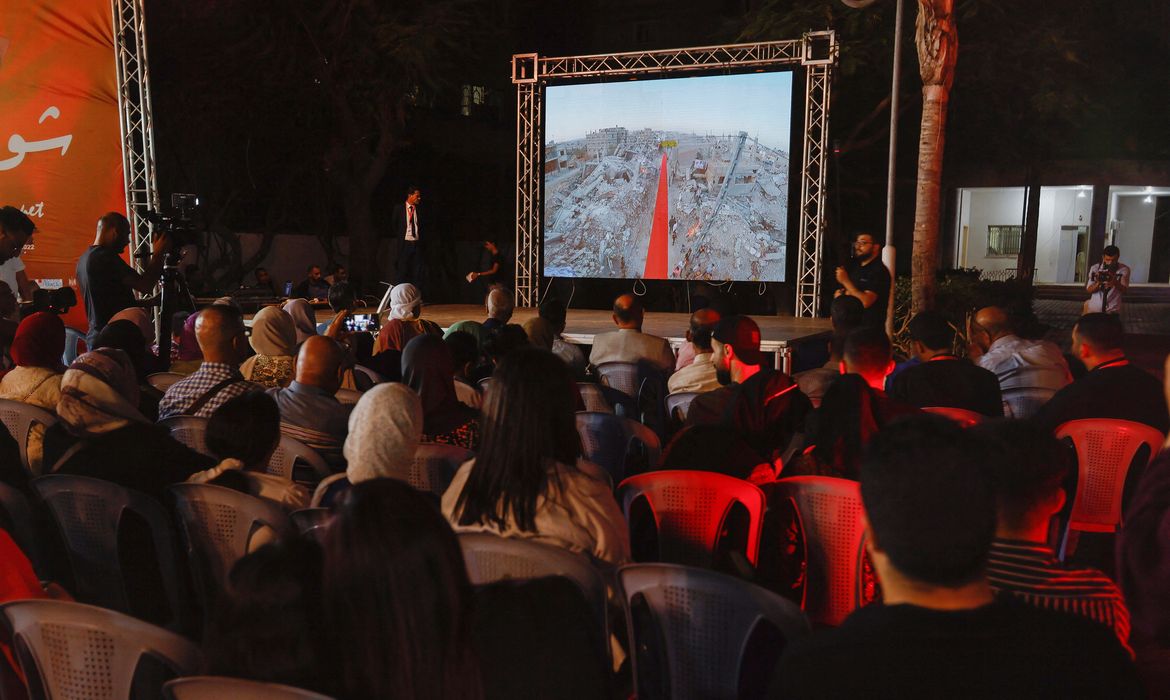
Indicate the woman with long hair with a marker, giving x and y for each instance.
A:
(528, 479)
(848, 418)
(397, 600)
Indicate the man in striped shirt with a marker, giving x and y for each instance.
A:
(1027, 467)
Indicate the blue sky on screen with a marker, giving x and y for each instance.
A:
(758, 103)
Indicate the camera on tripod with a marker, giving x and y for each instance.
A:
(178, 222)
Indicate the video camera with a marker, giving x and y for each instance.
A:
(1106, 275)
(179, 221)
(59, 301)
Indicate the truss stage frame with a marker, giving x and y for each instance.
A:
(817, 52)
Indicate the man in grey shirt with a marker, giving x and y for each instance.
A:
(1108, 281)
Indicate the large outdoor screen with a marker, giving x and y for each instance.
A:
(680, 178)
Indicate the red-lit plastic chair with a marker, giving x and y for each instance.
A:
(699, 628)
(961, 416)
(830, 516)
(1106, 449)
(690, 508)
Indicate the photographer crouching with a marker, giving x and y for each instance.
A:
(1108, 281)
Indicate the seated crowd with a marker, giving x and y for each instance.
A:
(964, 512)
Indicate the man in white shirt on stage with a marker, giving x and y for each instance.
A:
(405, 237)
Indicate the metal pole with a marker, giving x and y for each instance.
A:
(894, 84)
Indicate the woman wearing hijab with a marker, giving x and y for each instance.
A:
(404, 322)
(36, 378)
(302, 317)
(190, 355)
(124, 335)
(540, 333)
(428, 368)
(102, 434)
(274, 338)
(140, 317)
(385, 427)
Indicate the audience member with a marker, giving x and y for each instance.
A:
(178, 319)
(845, 313)
(763, 406)
(1029, 371)
(629, 343)
(528, 478)
(144, 321)
(309, 409)
(339, 274)
(941, 378)
(274, 338)
(465, 357)
(35, 378)
(405, 321)
(266, 625)
(428, 368)
(242, 434)
(1026, 468)
(125, 336)
(220, 331)
(941, 632)
(15, 230)
(187, 355)
(500, 305)
(849, 416)
(554, 311)
(397, 600)
(342, 297)
(8, 309)
(385, 427)
(503, 342)
(1112, 388)
(313, 287)
(303, 318)
(540, 333)
(699, 375)
(264, 281)
(102, 433)
(866, 278)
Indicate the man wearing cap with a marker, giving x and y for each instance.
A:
(763, 406)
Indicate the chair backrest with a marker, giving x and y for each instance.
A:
(286, 455)
(490, 558)
(704, 621)
(16, 516)
(962, 416)
(163, 380)
(74, 339)
(89, 515)
(20, 418)
(217, 688)
(623, 376)
(609, 439)
(311, 521)
(373, 376)
(189, 430)
(1106, 449)
(593, 398)
(72, 650)
(830, 515)
(680, 402)
(218, 525)
(435, 465)
(348, 396)
(690, 509)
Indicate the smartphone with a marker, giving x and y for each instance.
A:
(361, 322)
(288, 289)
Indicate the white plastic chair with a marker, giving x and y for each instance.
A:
(70, 650)
(830, 513)
(622, 376)
(435, 465)
(311, 521)
(348, 397)
(607, 439)
(164, 380)
(594, 400)
(370, 374)
(288, 452)
(20, 418)
(74, 339)
(680, 402)
(218, 688)
(189, 430)
(704, 621)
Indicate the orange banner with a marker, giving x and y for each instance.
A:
(60, 146)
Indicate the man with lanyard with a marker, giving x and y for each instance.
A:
(1112, 388)
(867, 279)
(405, 237)
(1108, 281)
(940, 378)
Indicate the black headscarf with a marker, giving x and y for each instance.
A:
(427, 367)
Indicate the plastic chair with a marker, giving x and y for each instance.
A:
(680, 402)
(830, 515)
(690, 508)
(435, 465)
(20, 418)
(16, 516)
(371, 374)
(189, 430)
(962, 416)
(74, 339)
(217, 688)
(89, 514)
(348, 396)
(622, 376)
(593, 398)
(1106, 449)
(490, 558)
(163, 380)
(703, 621)
(608, 440)
(218, 526)
(288, 452)
(70, 650)
(311, 521)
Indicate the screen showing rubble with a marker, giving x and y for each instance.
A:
(680, 178)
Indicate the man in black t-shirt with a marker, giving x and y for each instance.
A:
(941, 632)
(487, 273)
(941, 378)
(866, 278)
(107, 282)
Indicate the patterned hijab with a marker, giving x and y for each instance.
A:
(99, 394)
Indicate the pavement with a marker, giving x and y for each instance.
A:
(1147, 329)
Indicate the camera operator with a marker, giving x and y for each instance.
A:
(106, 281)
(1108, 281)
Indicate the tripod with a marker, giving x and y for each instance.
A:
(175, 296)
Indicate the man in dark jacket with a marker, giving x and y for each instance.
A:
(941, 378)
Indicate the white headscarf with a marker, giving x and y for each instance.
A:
(384, 429)
(405, 301)
(302, 316)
